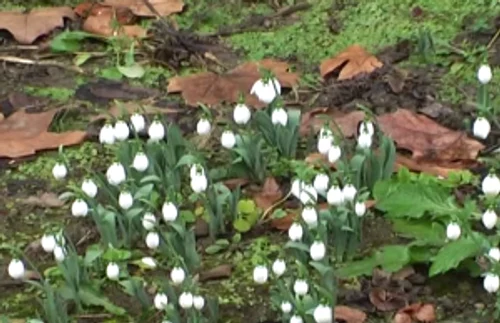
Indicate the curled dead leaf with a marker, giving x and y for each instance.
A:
(426, 313)
(385, 301)
(139, 7)
(354, 60)
(349, 315)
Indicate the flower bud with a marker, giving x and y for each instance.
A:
(228, 140)
(59, 253)
(279, 117)
(169, 212)
(324, 144)
(48, 242)
(360, 208)
(334, 196)
(491, 185)
(156, 131)
(121, 130)
(310, 216)
(186, 300)
(491, 283)
(365, 140)
(116, 174)
(260, 274)
(349, 192)
(198, 302)
(334, 154)
(161, 301)
(125, 200)
(107, 135)
(79, 208)
(203, 127)
(296, 188)
(138, 122)
(494, 253)
(453, 231)
(113, 271)
(317, 250)
(296, 319)
(148, 221)
(152, 240)
(89, 187)
(279, 267)
(286, 307)
(141, 162)
(295, 232)
(481, 128)
(241, 114)
(177, 275)
(484, 74)
(59, 171)
(489, 219)
(199, 183)
(366, 127)
(16, 269)
(300, 287)
(308, 195)
(323, 314)
(266, 92)
(149, 262)
(321, 182)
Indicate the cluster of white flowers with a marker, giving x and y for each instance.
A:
(481, 127)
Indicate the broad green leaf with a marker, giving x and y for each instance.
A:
(150, 178)
(90, 297)
(320, 267)
(115, 255)
(80, 59)
(188, 216)
(187, 160)
(393, 258)
(93, 252)
(133, 71)
(453, 253)
(246, 206)
(144, 191)
(297, 245)
(69, 41)
(111, 73)
(279, 214)
(213, 249)
(242, 225)
(425, 230)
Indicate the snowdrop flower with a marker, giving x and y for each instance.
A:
(121, 130)
(177, 275)
(279, 117)
(349, 192)
(107, 135)
(491, 185)
(296, 188)
(286, 307)
(161, 301)
(334, 196)
(141, 162)
(196, 170)
(16, 269)
(360, 208)
(116, 174)
(198, 302)
(241, 114)
(149, 262)
(323, 314)
(125, 200)
(89, 187)
(317, 250)
(453, 231)
(260, 274)
(325, 141)
(156, 131)
(364, 140)
(152, 240)
(489, 219)
(296, 319)
(481, 128)
(79, 208)
(203, 127)
(321, 182)
(148, 221)
(491, 283)
(279, 267)
(59, 171)
(308, 195)
(484, 74)
(186, 300)
(310, 216)
(199, 183)
(113, 271)
(169, 212)
(295, 232)
(334, 153)
(138, 122)
(266, 91)
(494, 253)
(48, 242)
(228, 139)
(300, 287)
(59, 253)
(367, 127)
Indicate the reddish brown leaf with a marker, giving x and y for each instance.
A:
(27, 27)
(284, 223)
(210, 88)
(402, 318)
(139, 8)
(354, 60)
(102, 24)
(426, 313)
(123, 16)
(270, 194)
(349, 314)
(385, 301)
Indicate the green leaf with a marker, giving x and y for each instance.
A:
(393, 258)
(213, 249)
(357, 268)
(116, 255)
(424, 230)
(111, 73)
(188, 216)
(133, 71)
(90, 297)
(279, 214)
(453, 253)
(187, 160)
(150, 178)
(93, 252)
(246, 206)
(321, 268)
(69, 41)
(242, 225)
(297, 245)
(80, 59)
(236, 238)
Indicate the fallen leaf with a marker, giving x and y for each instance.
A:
(426, 313)
(402, 318)
(104, 91)
(139, 8)
(219, 272)
(103, 24)
(284, 223)
(233, 183)
(23, 134)
(27, 27)
(44, 200)
(210, 88)
(129, 108)
(349, 314)
(403, 273)
(354, 60)
(385, 301)
(270, 194)
(416, 311)
(122, 15)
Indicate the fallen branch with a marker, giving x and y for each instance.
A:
(19, 60)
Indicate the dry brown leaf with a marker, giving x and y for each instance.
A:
(219, 272)
(102, 24)
(123, 16)
(27, 27)
(139, 8)
(44, 200)
(270, 194)
(353, 61)
(23, 134)
(402, 318)
(419, 312)
(210, 88)
(129, 108)
(349, 314)
(426, 313)
(384, 300)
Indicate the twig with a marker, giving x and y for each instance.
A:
(94, 316)
(272, 207)
(494, 39)
(19, 60)
(19, 47)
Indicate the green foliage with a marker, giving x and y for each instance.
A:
(248, 215)
(55, 93)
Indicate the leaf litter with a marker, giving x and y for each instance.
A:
(351, 62)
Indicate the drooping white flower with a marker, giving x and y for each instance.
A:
(349, 192)
(260, 274)
(199, 183)
(279, 267)
(266, 91)
(196, 170)
(125, 200)
(481, 128)
(89, 187)
(296, 319)
(161, 301)
(228, 139)
(149, 262)
(186, 300)
(79, 208)
(453, 231)
(141, 162)
(323, 314)
(300, 287)
(107, 135)
(360, 208)
(334, 196)
(310, 216)
(113, 271)
(203, 127)
(121, 131)
(334, 153)
(148, 221)
(308, 194)
(16, 269)
(489, 219)
(366, 127)
(138, 122)
(59, 171)
(365, 140)
(152, 240)
(491, 185)
(279, 117)
(156, 131)
(325, 141)
(317, 250)
(241, 114)
(295, 232)
(169, 211)
(177, 275)
(48, 242)
(491, 283)
(296, 188)
(321, 182)
(198, 302)
(116, 174)
(286, 307)
(484, 74)
(494, 253)
(59, 253)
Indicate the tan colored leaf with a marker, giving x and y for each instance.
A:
(270, 194)
(426, 313)
(27, 27)
(23, 134)
(131, 108)
(123, 15)
(44, 200)
(349, 314)
(402, 318)
(102, 23)
(139, 8)
(210, 88)
(354, 60)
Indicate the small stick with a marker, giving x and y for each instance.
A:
(19, 60)
(493, 40)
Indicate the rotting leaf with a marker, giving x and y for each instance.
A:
(354, 60)
(210, 88)
(44, 200)
(27, 27)
(349, 315)
(139, 8)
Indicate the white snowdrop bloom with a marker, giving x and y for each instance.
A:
(295, 232)
(241, 114)
(365, 140)
(149, 262)
(59, 171)
(59, 253)
(279, 267)
(484, 74)
(152, 240)
(121, 130)
(79, 208)
(489, 219)
(107, 135)
(125, 200)
(266, 91)
(491, 185)
(317, 250)
(360, 208)
(310, 216)
(260, 274)
(481, 128)
(141, 162)
(296, 319)
(113, 271)
(138, 122)
(198, 302)
(16, 269)
(279, 117)
(334, 196)
(186, 300)
(48, 242)
(453, 231)
(116, 174)
(156, 131)
(367, 127)
(349, 192)
(308, 195)
(203, 127)
(296, 188)
(169, 211)
(196, 170)
(177, 275)
(199, 183)
(286, 307)
(334, 154)
(324, 144)
(148, 221)
(89, 187)
(491, 283)
(323, 314)
(494, 253)
(161, 301)
(321, 182)
(228, 139)
(300, 287)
